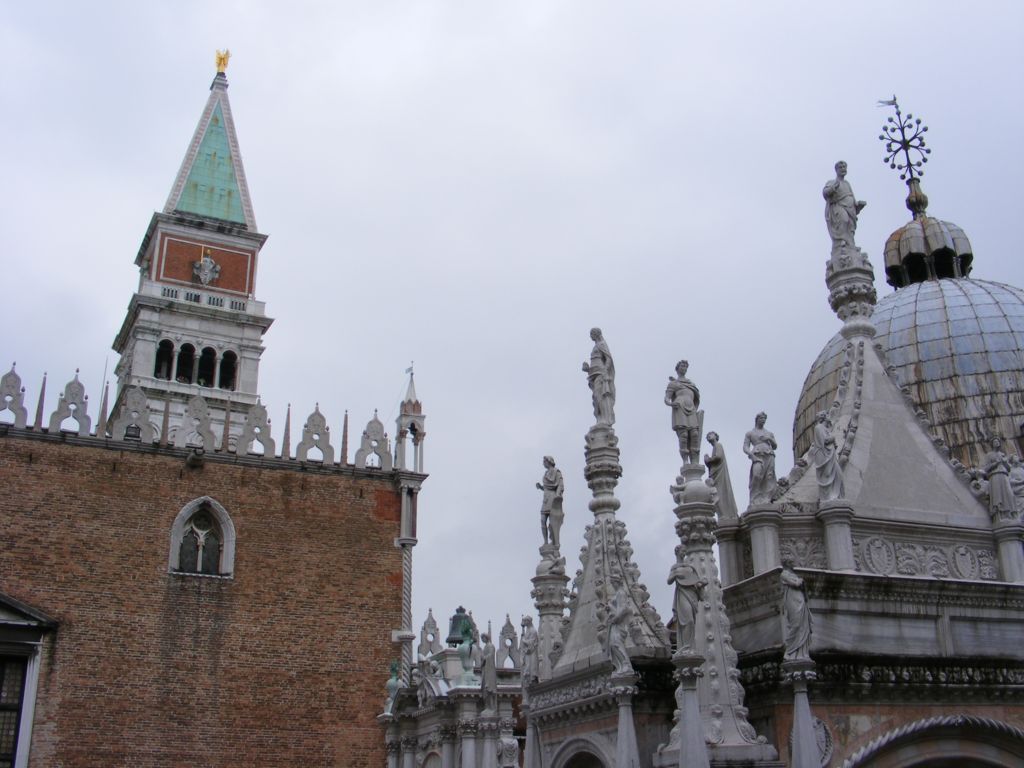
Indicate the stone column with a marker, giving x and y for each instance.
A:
(804, 751)
(448, 737)
(836, 516)
(627, 754)
(729, 552)
(400, 439)
(417, 452)
(409, 746)
(531, 758)
(508, 746)
(467, 737)
(393, 748)
(549, 595)
(693, 750)
(763, 521)
(1011, 552)
(216, 370)
(489, 731)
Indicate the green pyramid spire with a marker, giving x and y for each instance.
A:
(211, 181)
(211, 188)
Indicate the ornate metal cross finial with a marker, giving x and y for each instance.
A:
(903, 135)
(222, 60)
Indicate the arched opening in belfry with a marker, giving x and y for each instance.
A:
(186, 362)
(164, 360)
(228, 370)
(207, 367)
(584, 760)
(944, 263)
(917, 270)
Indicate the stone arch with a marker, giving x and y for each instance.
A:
(585, 751)
(223, 520)
(953, 741)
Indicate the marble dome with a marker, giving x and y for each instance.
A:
(957, 344)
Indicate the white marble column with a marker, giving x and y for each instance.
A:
(627, 754)
(693, 750)
(1011, 550)
(763, 520)
(804, 749)
(836, 516)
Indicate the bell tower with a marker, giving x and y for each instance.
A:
(194, 325)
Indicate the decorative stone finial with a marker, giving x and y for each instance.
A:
(74, 403)
(222, 60)
(12, 397)
(374, 442)
(315, 434)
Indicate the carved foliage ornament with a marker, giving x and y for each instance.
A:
(877, 555)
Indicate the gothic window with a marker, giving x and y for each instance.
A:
(186, 362)
(164, 360)
(12, 681)
(228, 370)
(202, 540)
(200, 545)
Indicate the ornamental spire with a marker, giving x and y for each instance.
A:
(925, 248)
(211, 181)
(906, 153)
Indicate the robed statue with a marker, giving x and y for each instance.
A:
(601, 378)
(841, 209)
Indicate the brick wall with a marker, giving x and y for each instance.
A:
(283, 664)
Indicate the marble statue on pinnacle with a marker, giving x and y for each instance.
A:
(619, 616)
(683, 397)
(841, 210)
(796, 615)
(825, 457)
(689, 586)
(759, 444)
(551, 513)
(601, 378)
(718, 470)
(489, 675)
(528, 645)
(996, 467)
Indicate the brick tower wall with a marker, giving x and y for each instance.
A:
(282, 664)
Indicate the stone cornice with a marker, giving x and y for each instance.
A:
(849, 678)
(883, 594)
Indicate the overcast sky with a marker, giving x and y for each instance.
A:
(473, 185)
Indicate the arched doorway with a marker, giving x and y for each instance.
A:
(953, 741)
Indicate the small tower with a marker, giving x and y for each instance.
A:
(194, 326)
(411, 424)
